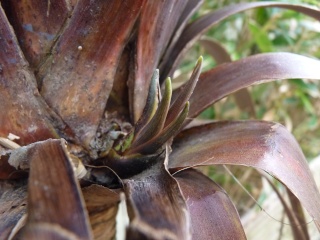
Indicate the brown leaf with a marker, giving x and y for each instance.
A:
(13, 199)
(45, 231)
(195, 29)
(30, 119)
(54, 199)
(263, 145)
(157, 22)
(102, 205)
(30, 21)
(78, 77)
(230, 77)
(213, 215)
(156, 207)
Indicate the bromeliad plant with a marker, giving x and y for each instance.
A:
(84, 122)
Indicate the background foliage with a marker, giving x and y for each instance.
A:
(293, 103)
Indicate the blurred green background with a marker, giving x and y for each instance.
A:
(294, 103)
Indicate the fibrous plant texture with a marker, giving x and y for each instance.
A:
(89, 119)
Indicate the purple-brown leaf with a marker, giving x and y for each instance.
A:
(23, 111)
(156, 207)
(263, 145)
(195, 29)
(78, 77)
(219, 53)
(230, 77)
(213, 215)
(157, 22)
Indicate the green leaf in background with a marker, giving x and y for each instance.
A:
(260, 37)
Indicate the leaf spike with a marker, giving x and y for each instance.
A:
(151, 103)
(170, 131)
(183, 97)
(156, 124)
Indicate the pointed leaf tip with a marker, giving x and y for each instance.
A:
(200, 60)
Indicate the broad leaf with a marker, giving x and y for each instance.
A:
(213, 215)
(155, 205)
(263, 145)
(230, 77)
(34, 34)
(23, 112)
(195, 29)
(78, 77)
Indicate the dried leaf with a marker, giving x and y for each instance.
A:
(213, 215)
(263, 145)
(13, 199)
(102, 205)
(54, 199)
